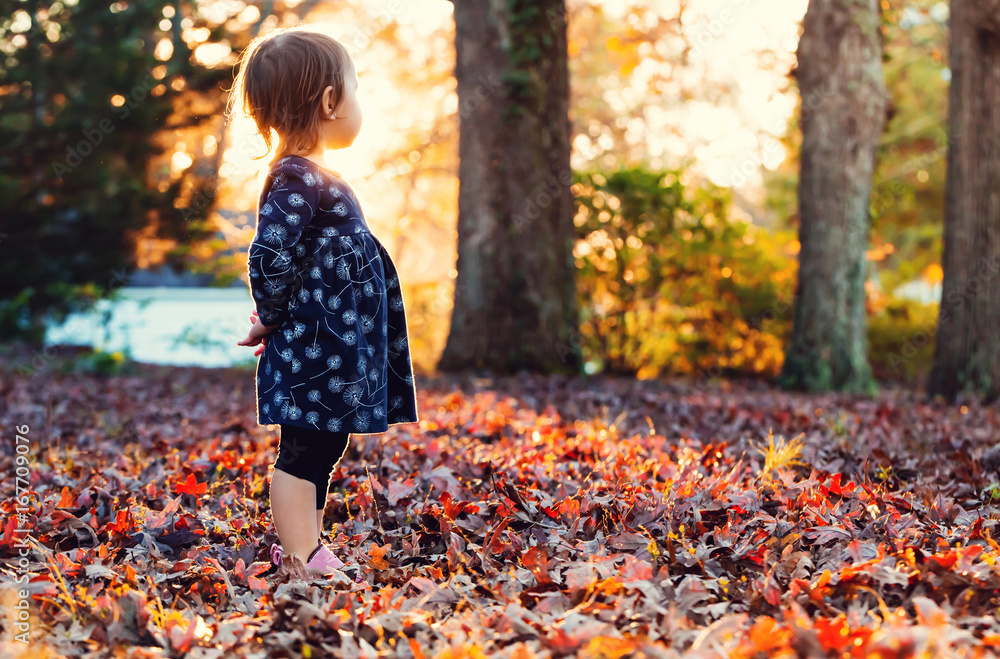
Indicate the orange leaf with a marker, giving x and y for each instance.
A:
(833, 634)
(452, 509)
(377, 555)
(536, 561)
(767, 635)
(607, 647)
(256, 583)
(122, 523)
(191, 486)
(66, 500)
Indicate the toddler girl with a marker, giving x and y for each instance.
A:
(329, 309)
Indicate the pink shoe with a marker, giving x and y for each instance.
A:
(323, 562)
(276, 554)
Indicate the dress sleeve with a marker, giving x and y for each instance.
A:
(287, 209)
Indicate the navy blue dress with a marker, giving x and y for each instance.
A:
(340, 360)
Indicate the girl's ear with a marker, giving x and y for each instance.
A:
(328, 109)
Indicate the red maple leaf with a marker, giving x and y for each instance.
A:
(191, 486)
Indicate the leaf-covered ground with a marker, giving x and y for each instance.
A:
(523, 517)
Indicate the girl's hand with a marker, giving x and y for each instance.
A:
(258, 334)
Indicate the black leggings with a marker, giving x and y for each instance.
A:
(311, 455)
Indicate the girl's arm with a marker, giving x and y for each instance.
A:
(288, 208)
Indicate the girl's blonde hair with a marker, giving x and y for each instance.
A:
(280, 83)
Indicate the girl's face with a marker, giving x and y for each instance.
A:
(340, 132)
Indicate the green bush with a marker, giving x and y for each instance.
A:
(101, 362)
(901, 335)
(669, 283)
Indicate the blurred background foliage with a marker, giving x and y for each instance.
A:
(88, 93)
(670, 284)
(682, 269)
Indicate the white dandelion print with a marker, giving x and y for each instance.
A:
(303, 295)
(333, 425)
(290, 411)
(318, 294)
(309, 179)
(369, 290)
(296, 366)
(316, 273)
(281, 260)
(279, 397)
(274, 234)
(273, 287)
(334, 362)
(266, 209)
(344, 269)
(397, 401)
(333, 302)
(312, 417)
(349, 317)
(328, 261)
(367, 323)
(361, 421)
(371, 350)
(396, 303)
(352, 395)
(292, 219)
(336, 384)
(295, 199)
(267, 408)
(393, 282)
(378, 413)
(350, 337)
(340, 208)
(287, 354)
(314, 396)
(299, 329)
(314, 351)
(300, 250)
(330, 232)
(289, 335)
(373, 375)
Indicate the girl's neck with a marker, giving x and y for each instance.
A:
(313, 157)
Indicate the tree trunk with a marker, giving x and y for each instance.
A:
(967, 354)
(515, 304)
(844, 102)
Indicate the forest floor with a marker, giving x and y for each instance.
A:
(521, 517)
